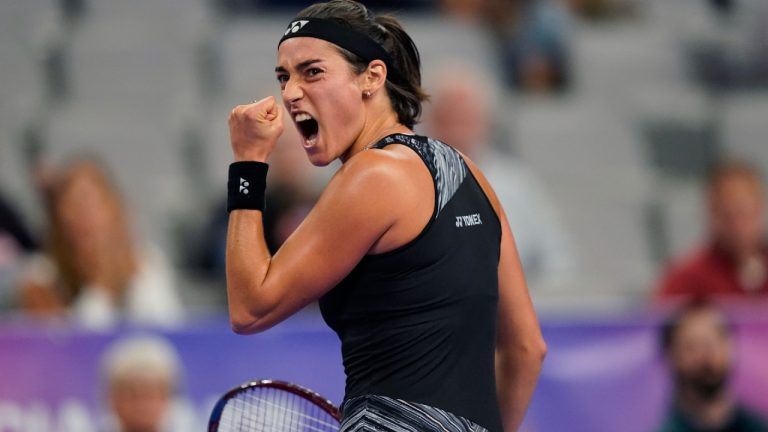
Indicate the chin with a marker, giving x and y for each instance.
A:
(318, 159)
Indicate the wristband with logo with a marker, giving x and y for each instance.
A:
(246, 186)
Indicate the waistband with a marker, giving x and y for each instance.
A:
(374, 412)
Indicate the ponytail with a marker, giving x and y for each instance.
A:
(406, 94)
(403, 87)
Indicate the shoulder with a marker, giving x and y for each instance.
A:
(674, 422)
(692, 272)
(750, 420)
(378, 176)
(376, 167)
(692, 262)
(433, 152)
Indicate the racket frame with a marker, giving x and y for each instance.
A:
(323, 403)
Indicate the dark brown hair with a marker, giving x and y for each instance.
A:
(405, 93)
(669, 328)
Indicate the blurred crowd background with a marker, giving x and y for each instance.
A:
(626, 139)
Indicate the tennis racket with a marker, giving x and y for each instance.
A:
(273, 406)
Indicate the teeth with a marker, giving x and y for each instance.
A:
(302, 116)
(313, 140)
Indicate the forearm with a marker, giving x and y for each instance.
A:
(517, 371)
(247, 263)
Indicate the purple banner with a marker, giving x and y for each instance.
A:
(50, 377)
(609, 375)
(600, 375)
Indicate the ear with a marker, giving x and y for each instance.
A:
(374, 78)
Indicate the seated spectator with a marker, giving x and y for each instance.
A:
(15, 242)
(240, 7)
(461, 115)
(141, 376)
(95, 269)
(13, 229)
(604, 9)
(734, 260)
(531, 38)
(697, 348)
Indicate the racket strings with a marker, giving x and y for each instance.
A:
(264, 423)
(267, 409)
(274, 415)
(299, 413)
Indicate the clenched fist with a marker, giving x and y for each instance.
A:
(255, 128)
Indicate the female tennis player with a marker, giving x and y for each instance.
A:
(407, 249)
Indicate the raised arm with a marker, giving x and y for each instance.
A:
(520, 347)
(349, 217)
(358, 207)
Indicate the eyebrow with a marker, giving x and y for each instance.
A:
(301, 66)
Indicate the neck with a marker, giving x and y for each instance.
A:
(373, 131)
(706, 413)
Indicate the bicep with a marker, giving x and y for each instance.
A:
(346, 221)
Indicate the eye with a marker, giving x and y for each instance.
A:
(311, 72)
(282, 79)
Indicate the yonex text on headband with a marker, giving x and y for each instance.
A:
(343, 36)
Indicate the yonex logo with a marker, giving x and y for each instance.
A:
(295, 26)
(468, 220)
(244, 186)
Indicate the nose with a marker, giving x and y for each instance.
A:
(292, 92)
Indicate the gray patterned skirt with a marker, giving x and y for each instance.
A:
(372, 413)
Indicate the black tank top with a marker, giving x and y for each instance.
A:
(418, 323)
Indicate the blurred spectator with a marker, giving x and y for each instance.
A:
(258, 6)
(12, 228)
(734, 260)
(461, 114)
(468, 9)
(141, 376)
(95, 267)
(604, 9)
(293, 185)
(697, 348)
(731, 52)
(531, 38)
(536, 54)
(15, 242)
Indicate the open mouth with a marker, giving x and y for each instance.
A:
(308, 127)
